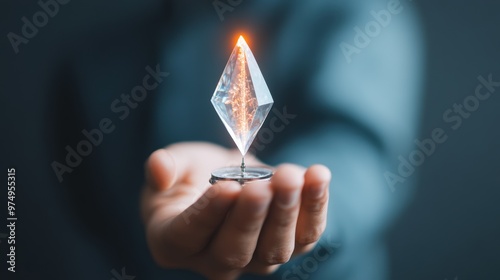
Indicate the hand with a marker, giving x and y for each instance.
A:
(224, 230)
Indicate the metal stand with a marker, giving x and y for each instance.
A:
(241, 174)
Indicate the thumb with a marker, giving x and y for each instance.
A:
(160, 170)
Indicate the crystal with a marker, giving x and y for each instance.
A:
(242, 99)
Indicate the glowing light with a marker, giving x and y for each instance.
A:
(242, 99)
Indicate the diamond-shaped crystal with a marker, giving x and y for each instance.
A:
(242, 99)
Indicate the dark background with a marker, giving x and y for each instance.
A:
(450, 229)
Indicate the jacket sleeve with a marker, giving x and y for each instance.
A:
(363, 113)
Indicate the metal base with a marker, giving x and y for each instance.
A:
(234, 173)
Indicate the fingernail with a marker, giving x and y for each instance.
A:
(316, 191)
(288, 199)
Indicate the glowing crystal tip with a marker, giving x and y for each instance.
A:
(241, 41)
(242, 99)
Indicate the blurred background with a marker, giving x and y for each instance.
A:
(451, 227)
(448, 225)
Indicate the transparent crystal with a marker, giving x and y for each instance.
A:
(242, 99)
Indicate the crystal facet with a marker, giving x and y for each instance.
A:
(242, 99)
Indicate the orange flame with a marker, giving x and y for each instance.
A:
(241, 99)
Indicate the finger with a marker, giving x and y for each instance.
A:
(234, 244)
(313, 209)
(160, 170)
(190, 232)
(174, 164)
(260, 269)
(277, 238)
